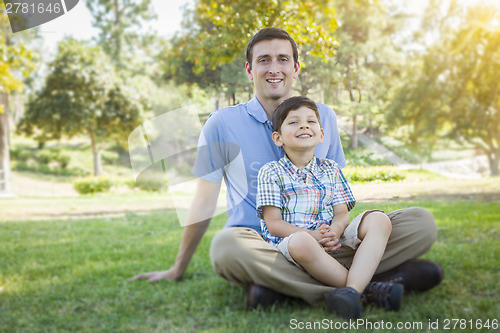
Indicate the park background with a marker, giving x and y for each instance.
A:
(417, 94)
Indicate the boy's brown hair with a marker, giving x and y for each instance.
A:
(293, 103)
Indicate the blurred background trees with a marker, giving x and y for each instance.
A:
(424, 79)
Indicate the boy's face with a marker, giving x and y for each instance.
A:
(300, 131)
(273, 69)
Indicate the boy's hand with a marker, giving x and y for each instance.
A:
(319, 233)
(330, 241)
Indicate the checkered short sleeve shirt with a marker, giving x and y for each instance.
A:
(305, 196)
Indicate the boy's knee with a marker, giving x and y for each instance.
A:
(376, 221)
(301, 245)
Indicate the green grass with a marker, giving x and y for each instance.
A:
(71, 275)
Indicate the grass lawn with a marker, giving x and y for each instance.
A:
(71, 275)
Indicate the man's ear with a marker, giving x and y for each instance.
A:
(277, 139)
(248, 68)
(297, 70)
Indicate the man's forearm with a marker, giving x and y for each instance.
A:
(191, 237)
(200, 213)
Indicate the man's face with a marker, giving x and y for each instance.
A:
(272, 70)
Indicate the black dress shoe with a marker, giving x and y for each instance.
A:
(263, 297)
(414, 275)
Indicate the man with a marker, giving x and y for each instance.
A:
(238, 252)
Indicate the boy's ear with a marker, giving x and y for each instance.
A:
(277, 139)
(322, 135)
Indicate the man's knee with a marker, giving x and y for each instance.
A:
(223, 245)
(419, 222)
(427, 223)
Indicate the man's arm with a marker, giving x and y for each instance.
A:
(200, 213)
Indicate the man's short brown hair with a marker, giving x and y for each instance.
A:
(293, 103)
(270, 34)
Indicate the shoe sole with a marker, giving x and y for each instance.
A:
(344, 306)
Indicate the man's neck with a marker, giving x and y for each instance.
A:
(270, 105)
(300, 158)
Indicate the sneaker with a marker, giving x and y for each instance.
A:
(384, 294)
(345, 302)
(414, 275)
(263, 297)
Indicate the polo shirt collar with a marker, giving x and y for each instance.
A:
(255, 109)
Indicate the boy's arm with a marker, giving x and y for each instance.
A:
(279, 228)
(340, 220)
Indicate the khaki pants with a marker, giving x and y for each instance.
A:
(242, 257)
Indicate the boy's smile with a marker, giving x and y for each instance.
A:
(300, 131)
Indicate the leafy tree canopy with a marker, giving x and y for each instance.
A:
(84, 95)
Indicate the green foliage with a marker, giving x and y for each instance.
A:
(452, 89)
(211, 50)
(363, 157)
(92, 185)
(16, 57)
(84, 95)
(110, 157)
(373, 174)
(46, 169)
(119, 22)
(47, 161)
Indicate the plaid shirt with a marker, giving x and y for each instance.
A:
(305, 196)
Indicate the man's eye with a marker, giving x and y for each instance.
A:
(262, 60)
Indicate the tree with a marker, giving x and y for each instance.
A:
(119, 22)
(367, 57)
(453, 91)
(84, 95)
(16, 58)
(473, 85)
(215, 34)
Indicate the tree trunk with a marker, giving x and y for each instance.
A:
(354, 138)
(4, 147)
(96, 155)
(494, 164)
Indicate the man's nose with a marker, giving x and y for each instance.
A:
(274, 68)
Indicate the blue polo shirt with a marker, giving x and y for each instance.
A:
(236, 142)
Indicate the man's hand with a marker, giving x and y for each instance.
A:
(171, 274)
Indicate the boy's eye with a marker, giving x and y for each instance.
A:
(292, 122)
(312, 121)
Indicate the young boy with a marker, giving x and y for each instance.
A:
(301, 199)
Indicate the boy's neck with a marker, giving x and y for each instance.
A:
(300, 158)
